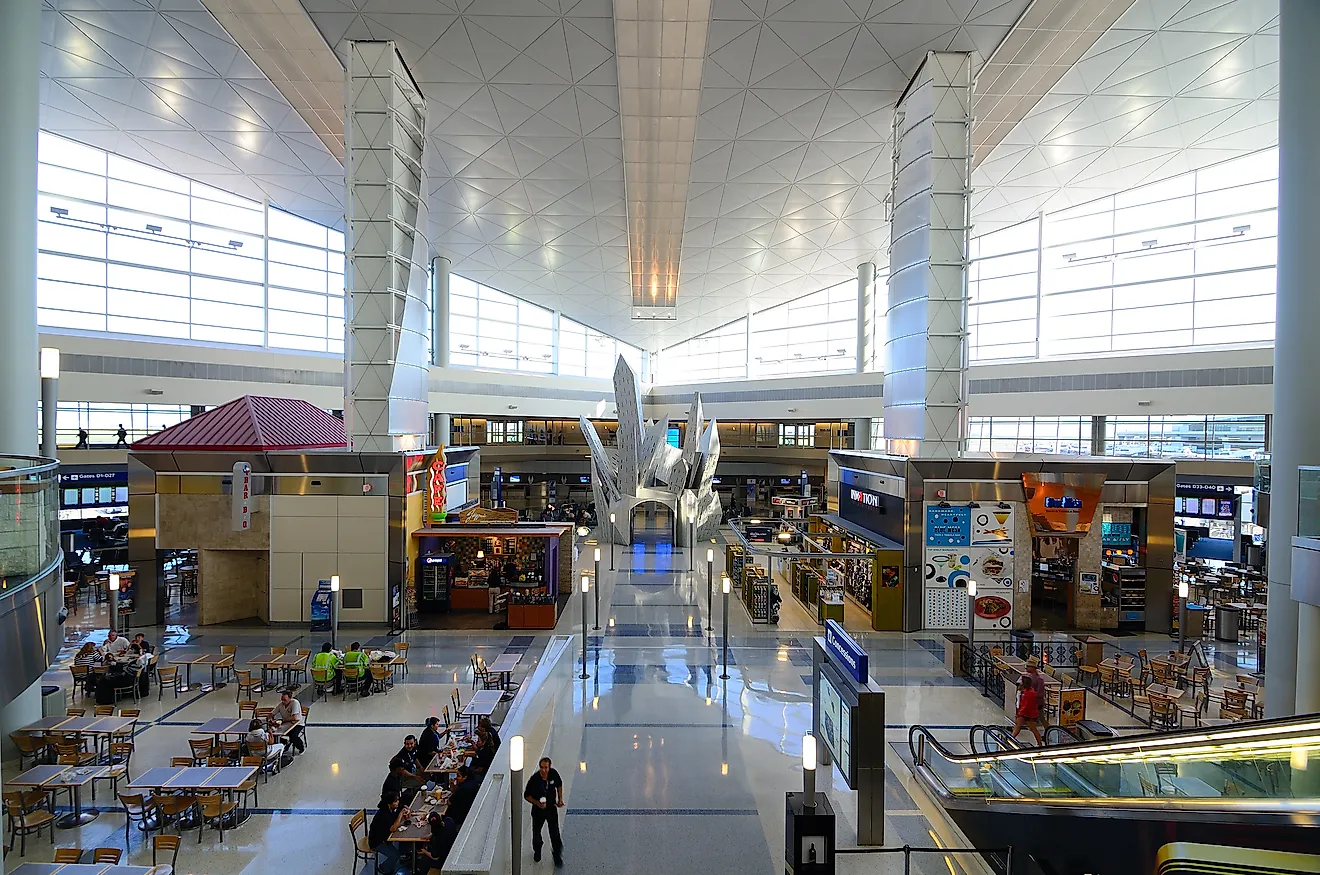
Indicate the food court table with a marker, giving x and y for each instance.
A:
(218, 726)
(98, 728)
(503, 666)
(482, 704)
(87, 869)
(270, 662)
(214, 660)
(414, 830)
(198, 778)
(50, 778)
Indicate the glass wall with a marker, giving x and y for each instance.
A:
(720, 354)
(1204, 437)
(1184, 263)
(128, 249)
(811, 335)
(102, 420)
(1054, 435)
(586, 352)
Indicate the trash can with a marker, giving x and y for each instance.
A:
(54, 701)
(1228, 620)
(1022, 642)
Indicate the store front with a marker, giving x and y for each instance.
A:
(515, 576)
(1028, 530)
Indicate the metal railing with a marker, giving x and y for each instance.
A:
(29, 520)
(999, 859)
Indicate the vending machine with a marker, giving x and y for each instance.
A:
(435, 578)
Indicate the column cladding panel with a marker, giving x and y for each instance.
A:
(926, 329)
(389, 312)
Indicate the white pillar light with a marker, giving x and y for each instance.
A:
(516, 753)
(809, 772)
(516, 762)
(971, 622)
(334, 611)
(114, 602)
(114, 583)
(597, 554)
(726, 585)
(1182, 614)
(50, 363)
(710, 584)
(586, 585)
(596, 568)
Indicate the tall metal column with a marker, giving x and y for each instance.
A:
(865, 314)
(1099, 435)
(440, 311)
(20, 61)
(1292, 668)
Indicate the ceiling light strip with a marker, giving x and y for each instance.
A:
(660, 46)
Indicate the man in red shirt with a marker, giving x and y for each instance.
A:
(1028, 708)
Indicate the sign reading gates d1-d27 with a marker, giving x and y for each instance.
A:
(241, 506)
(847, 652)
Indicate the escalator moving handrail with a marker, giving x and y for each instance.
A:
(1083, 747)
(1000, 734)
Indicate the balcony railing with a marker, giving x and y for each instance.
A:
(29, 520)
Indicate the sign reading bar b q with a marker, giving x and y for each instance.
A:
(241, 508)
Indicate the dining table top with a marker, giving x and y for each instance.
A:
(224, 726)
(57, 776)
(193, 778)
(85, 725)
(415, 828)
(87, 869)
(1164, 690)
(200, 658)
(483, 703)
(504, 663)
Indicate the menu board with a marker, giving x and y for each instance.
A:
(962, 544)
(948, 526)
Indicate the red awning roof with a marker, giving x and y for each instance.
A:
(253, 423)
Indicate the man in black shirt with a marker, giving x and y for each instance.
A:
(545, 790)
(388, 816)
(403, 778)
(430, 742)
(494, 733)
(464, 793)
(433, 853)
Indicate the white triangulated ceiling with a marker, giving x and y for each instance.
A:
(791, 163)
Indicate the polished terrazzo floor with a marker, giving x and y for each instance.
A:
(676, 770)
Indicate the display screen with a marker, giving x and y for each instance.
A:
(672, 437)
(88, 496)
(836, 725)
(70, 497)
(121, 495)
(1208, 506)
(515, 478)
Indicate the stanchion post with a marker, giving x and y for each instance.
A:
(710, 589)
(596, 624)
(114, 602)
(516, 756)
(586, 584)
(809, 772)
(726, 585)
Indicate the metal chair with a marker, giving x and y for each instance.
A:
(172, 809)
(201, 750)
(167, 676)
(361, 846)
(29, 745)
(163, 844)
(137, 807)
(67, 855)
(104, 711)
(213, 808)
(243, 678)
(107, 855)
(24, 822)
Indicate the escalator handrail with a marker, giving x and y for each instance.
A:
(1254, 728)
(1059, 730)
(1000, 735)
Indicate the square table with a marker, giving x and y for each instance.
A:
(155, 778)
(415, 831)
(51, 778)
(269, 662)
(46, 724)
(482, 704)
(218, 726)
(214, 660)
(503, 666)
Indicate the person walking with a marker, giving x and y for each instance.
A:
(121, 436)
(545, 791)
(1028, 709)
(82, 440)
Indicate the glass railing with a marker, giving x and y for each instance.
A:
(1308, 501)
(29, 520)
(1256, 761)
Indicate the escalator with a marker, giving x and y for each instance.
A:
(1115, 803)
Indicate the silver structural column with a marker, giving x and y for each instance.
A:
(1099, 435)
(865, 311)
(20, 61)
(1293, 661)
(50, 402)
(440, 312)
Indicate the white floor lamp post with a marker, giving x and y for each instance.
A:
(1182, 614)
(809, 772)
(726, 585)
(114, 602)
(334, 611)
(971, 621)
(516, 756)
(710, 589)
(596, 624)
(611, 542)
(586, 584)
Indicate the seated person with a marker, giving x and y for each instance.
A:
(430, 742)
(389, 814)
(494, 733)
(286, 721)
(484, 754)
(327, 661)
(88, 656)
(257, 732)
(463, 794)
(141, 641)
(355, 657)
(116, 645)
(443, 832)
(401, 780)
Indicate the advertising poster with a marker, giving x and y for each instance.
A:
(962, 544)
(836, 725)
(1072, 707)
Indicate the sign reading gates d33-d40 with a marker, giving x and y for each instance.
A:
(241, 507)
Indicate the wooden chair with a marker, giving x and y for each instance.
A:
(380, 679)
(264, 757)
(306, 723)
(119, 754)
(104, 711)
(201, 750)
(263, 714)
(77, 756)
(82, 675)
(247, 710)
(1163, 712)
(361, 847)
(163, 844)
(75, 712)
(29, 745)
(401, 658)
(107, 855)
(323, 679)
(126, 734)
(216, 762)
(279, 651)
(24, 822)
(226, 669)
(137, 807)
(172, 808)
(1086, 674)
(1053, 702)
(243, 679)
(167, 676)
(353, 679)
(1108, 679)
(1235, 705)
(67, 855)
(177, 762)
(1164, 771)
(250, 785)
(298, 674)
(1148, 788)
(213, 808)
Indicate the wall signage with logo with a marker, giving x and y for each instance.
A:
(849, 654)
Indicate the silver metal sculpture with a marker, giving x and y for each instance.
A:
(644, 467)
